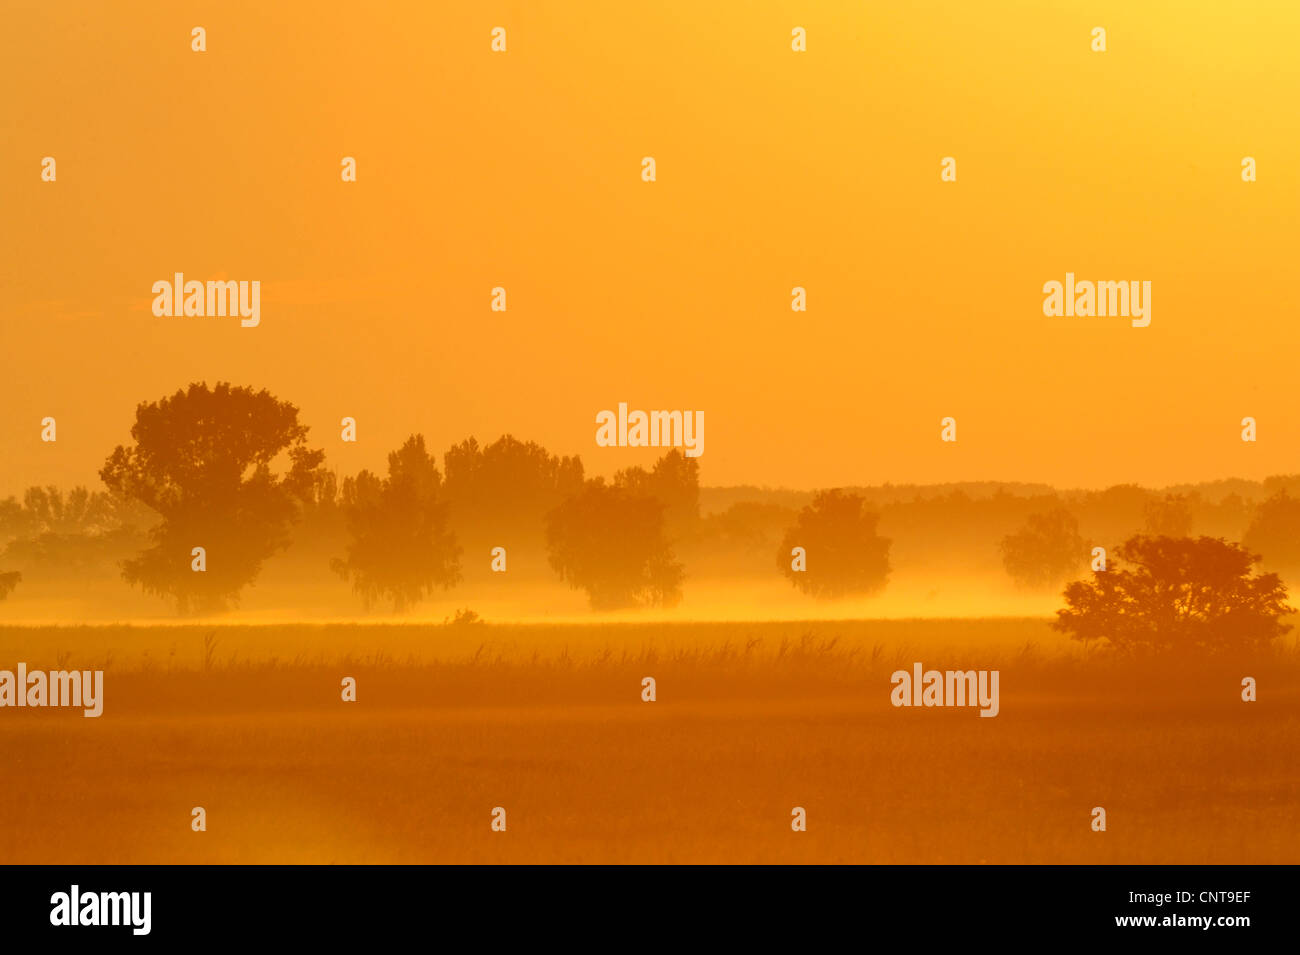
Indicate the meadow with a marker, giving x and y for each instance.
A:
(547, 721)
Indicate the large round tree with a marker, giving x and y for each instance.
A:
(1179, 594)
(223, 468)
(845, 555)
(611, 542)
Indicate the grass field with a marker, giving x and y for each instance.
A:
(751, 720)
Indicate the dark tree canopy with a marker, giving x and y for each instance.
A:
(845, 555)
(401, 547)
(611, 542)
(674, 482)
(1274, 533)
(48, 510)
(500, 494)
(204, 460)
(1177, 594)
(73, 532)
(8, 581)
(1169, 516)
(1046, 551)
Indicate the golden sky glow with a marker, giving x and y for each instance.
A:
(775, 169)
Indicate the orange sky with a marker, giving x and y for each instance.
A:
(776, 169)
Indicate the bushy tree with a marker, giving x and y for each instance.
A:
(1046, 551)
(611, 542)
(1177, 594)
(500, 494)
(205, 461)
(74, 532)
(1169, 516)
(401, 547)
(1274, 532)
(674, 482)
(845, 555)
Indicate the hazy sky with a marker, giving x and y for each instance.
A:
(775, 169)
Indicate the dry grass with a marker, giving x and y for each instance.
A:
(751, 720)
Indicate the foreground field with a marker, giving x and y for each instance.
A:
(751, 720)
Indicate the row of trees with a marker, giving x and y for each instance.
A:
(611, 540)
(230, 471)
(1048, 550)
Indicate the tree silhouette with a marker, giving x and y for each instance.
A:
(1181, 593)
(1046, 551)
(72, 533)
(13, 519)
(50, 511)
(1169, 516)
(401, 546)
(500, 494)
(611, 542)
(8, 581)
(674, 482)
(204, 461)
(845, 555)
(1274, 532)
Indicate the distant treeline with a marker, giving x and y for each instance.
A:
(217, 481)
(968, 526)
